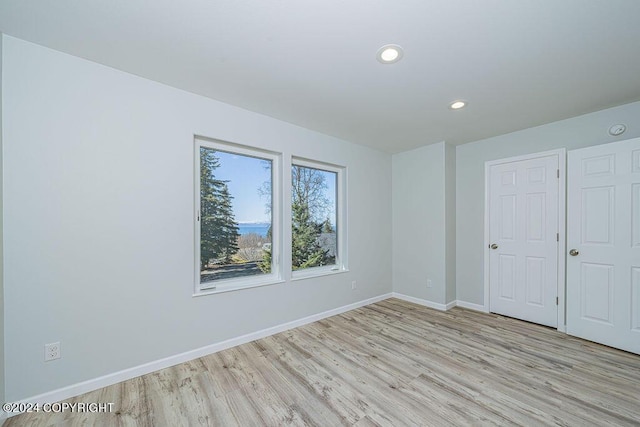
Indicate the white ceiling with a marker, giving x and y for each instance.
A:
(520, 63)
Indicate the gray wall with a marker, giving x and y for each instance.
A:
(99, 218)
(2, 379)
(424, 221)
(450, 220)
(98, 203)
(582, 131)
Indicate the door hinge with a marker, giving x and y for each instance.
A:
(557, 237)
(556, 300)
(558, 170)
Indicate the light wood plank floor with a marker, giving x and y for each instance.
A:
(390, 364)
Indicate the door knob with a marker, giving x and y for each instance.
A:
(493, 246)
(573, 252)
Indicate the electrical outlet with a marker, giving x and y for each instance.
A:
(429, 283)
(52, 351)
(353, 285)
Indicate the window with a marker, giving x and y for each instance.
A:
(317, 223)
(238, 226)
(237, 217)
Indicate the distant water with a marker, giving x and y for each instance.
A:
(259, 229)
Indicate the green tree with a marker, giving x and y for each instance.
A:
(265, 191)
(308, 207)
(265, 264)
(228, 227)
(218, 228)
(305, 249)
(326, 226)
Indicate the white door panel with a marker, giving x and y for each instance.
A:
(635, 220)
(535, 280)
(596, 282)
(523, 227)
(507, 277)
(635, 299)
(603, 226)
(598, 212)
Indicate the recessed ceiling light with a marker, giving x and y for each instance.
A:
(389, 53)
(616, 130)
(456, 105)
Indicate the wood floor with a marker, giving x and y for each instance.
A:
(390, 364)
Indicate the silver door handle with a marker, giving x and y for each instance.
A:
(574, 252)
(493, 246)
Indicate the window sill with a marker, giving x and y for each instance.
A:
(236, 287)
(316, 272)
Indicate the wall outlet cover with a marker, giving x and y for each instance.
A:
(51, 351)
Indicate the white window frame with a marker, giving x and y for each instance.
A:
(341, 265)
(245, 282)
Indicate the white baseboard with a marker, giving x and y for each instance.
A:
(450, 305)
(424, 302)
(439, 306)
(471, 306)
(136, 371)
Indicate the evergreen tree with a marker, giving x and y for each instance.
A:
(305, 249)
(266, 192)
(326, 226)
(229, 228)
(218, 228)
(309, 205)
(265, 264)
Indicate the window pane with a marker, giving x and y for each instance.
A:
(313, 217)
(235, 215)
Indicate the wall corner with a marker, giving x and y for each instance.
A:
(2, 365)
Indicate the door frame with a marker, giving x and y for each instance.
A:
(561, 154)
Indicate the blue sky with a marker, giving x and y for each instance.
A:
(246, 176)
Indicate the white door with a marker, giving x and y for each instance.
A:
(603, 232)
(523, 239)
